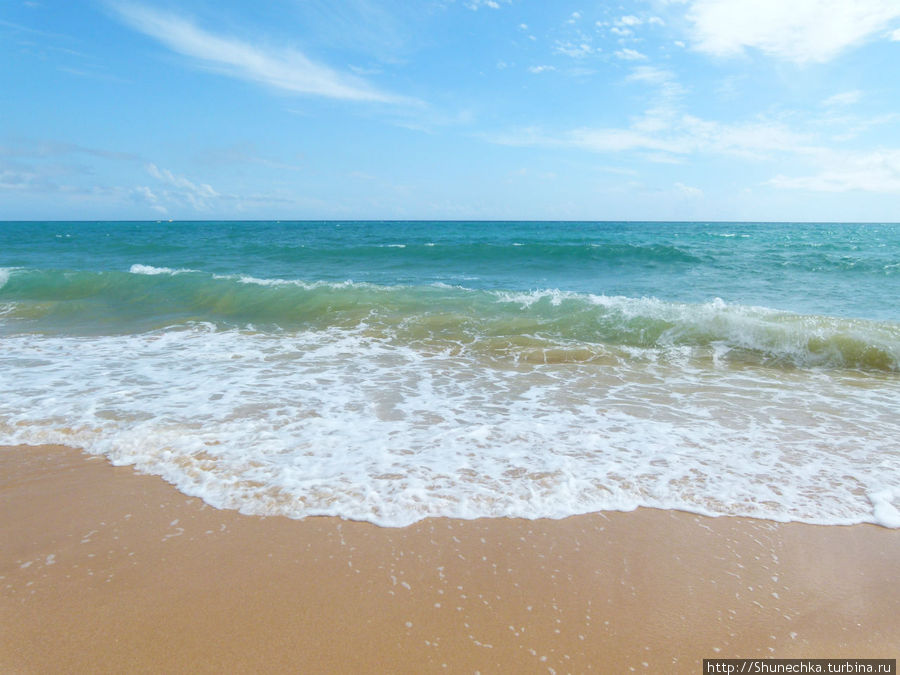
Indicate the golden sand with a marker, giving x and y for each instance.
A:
(105, 570)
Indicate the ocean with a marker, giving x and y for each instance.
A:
(393, 371)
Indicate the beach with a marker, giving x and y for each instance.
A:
(447, 446)
(107, 570)
(474, 336)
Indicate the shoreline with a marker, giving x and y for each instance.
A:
(104, 570)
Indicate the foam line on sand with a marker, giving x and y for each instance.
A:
(105, 570)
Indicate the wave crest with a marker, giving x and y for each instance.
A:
(534, 325)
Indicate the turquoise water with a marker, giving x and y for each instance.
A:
(389, 371)
(840, 270)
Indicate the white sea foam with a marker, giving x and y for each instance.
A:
(528, 298)
(883, 509)
(309, 285)
(151, 270)
(340, 422)
(5, 272)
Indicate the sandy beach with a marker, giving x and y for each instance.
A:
(105, 570)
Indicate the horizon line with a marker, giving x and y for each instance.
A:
(448, 220)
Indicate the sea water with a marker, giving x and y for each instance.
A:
(392, 371)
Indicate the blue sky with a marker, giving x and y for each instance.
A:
(443, 109)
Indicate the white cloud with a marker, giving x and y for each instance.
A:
(285, 69)
(630, 55)
(577, 50)
(895, 35)
(844, 98)
(619, 140)
(17, 180)
(541, 69)
(663, 139)
(474, 5)
(650, 75)
(52, 148)
(601, 140)
(182, 190)
(629, 20)
(669, 89)
(752, 140)
(688, 191)
(877, 171)
(144, 194)
(802, 31)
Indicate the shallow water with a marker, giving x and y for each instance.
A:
(393, 371)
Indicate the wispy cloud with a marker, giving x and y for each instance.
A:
(666, 98)
(285, 69)
(19, 28)
(877, 171)
(55, 167)
(475, 5)
(630, 55)
(58, 179)
(76, 185)
(811, 31)
(52, 148)
(626, 25)
(621, 140)
(12, 178)
(666, 133)
(688, 191)
(143, 194)
(243, 154)
(93, 74)
(575, 49)
(629, 20)
(181, 190)
(844, 98)
(673, 140)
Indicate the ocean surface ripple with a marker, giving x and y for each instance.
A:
(394, 371)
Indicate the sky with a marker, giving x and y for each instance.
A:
(747, 110)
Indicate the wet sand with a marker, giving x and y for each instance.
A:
(105, 570)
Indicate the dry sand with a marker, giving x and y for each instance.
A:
(104, 570)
